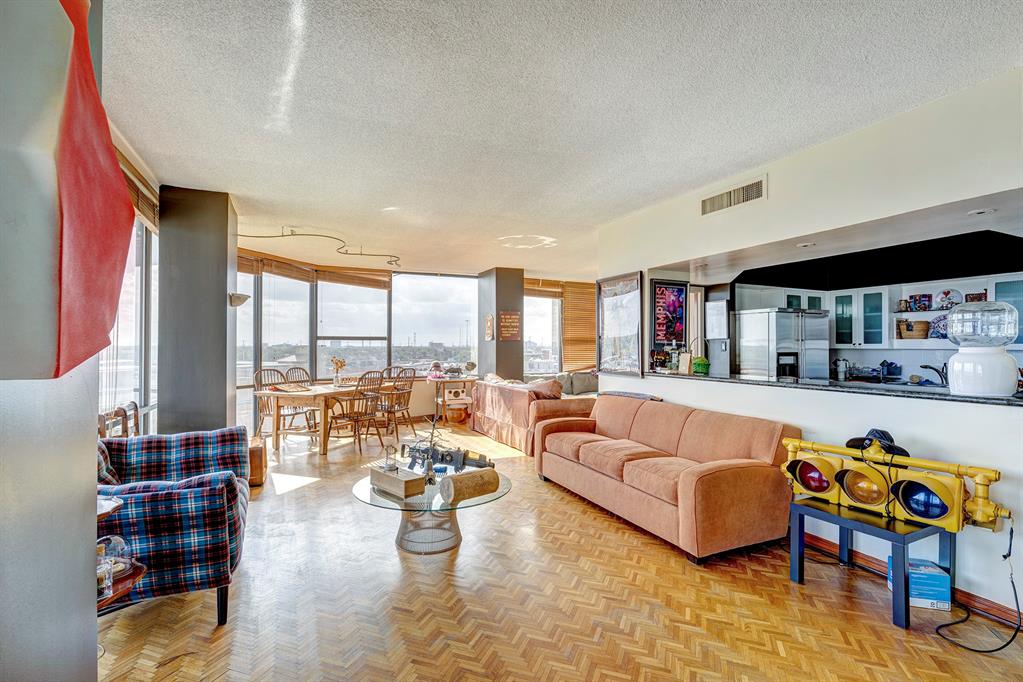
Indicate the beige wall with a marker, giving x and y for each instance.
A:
(964, 145)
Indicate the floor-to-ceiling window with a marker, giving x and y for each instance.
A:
(245, 351)
(285, 322)
(127, 367)
(541, 334)
(351, 323)
(433, 318)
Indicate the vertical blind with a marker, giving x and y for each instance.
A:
(578, 325)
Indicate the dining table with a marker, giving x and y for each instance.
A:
(318, 397)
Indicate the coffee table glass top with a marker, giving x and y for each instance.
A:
(430, 500)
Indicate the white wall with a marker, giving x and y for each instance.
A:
(984, 435)
(964, 145)
(958, 147)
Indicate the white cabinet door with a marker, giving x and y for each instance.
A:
(859, 318)
(1009, 288)
(843, 306)
(873, 323)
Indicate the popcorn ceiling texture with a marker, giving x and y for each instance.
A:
(479, 120)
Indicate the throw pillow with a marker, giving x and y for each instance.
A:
(584, 382)
(546, 390)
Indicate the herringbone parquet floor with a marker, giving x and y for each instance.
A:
(544, 587)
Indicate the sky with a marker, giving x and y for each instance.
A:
(427, 308)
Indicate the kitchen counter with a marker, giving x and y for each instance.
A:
(888, 390)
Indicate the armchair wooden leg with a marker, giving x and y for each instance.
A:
(379, 437)
(222, 605)
(411, 423)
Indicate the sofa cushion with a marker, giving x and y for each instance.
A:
(710, 436)
(567, 444)
(584, 382)
(610, 456)
(614, 415)
(657, 476)
(659, 425)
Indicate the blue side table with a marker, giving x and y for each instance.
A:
(900, 533)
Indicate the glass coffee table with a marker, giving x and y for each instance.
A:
(428, 523)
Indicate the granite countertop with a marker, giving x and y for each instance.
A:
(888, 390)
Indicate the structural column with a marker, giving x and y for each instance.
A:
(198, 268)
(500, 291)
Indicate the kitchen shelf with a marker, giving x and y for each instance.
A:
(923, 313)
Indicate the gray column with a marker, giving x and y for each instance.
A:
(500, 289)
(198, 268)
(48, 503)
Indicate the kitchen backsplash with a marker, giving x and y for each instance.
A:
(909, 359)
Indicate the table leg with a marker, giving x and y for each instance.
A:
(900, 585)
(797, 545)
(275, 428)
(428, 532)
(845, 545)
(947, 555)
(324, 425)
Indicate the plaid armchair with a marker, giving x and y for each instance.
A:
(185, 498)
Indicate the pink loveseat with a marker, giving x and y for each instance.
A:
(508, 412)
(704, 481)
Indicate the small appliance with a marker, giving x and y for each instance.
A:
(982, 367)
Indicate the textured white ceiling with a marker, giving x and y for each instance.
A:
(480, 120)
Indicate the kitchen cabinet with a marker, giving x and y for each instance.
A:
(754, 297)
(1010, 290)
(860, 318)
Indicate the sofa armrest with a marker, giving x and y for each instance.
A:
(731, 503)
(559, 424)
(189, 538)
(542, 410)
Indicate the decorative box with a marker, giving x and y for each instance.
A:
(400, 482)
(929, 585)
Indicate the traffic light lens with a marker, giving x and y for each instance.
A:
(859, 487)
(921, 501)
(812, 479)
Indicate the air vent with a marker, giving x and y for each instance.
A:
(734, 197)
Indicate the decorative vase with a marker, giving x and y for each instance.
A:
(337, 379)
(982, 367)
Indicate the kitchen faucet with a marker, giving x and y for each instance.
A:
(943, 372)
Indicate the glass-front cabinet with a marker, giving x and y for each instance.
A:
(859, 318)
(1010, 290)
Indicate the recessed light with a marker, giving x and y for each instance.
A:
(389, 208)
(805, 245)
(981, 211)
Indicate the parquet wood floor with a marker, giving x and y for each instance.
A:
(544, 587)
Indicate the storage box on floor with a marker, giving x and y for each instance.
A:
(929, 585)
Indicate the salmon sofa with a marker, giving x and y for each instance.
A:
(508, 412)
(704, 481)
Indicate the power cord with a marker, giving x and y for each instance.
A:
(1019, 616)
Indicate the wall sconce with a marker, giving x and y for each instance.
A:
(237, 300)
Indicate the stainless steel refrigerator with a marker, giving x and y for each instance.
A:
(782, 344)
(719, 331)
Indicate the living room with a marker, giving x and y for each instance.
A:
(511, 340)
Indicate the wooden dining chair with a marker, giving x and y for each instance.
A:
(264, 379)
(126, 417)
(391, 373)
(359, 411)
(301, 376)
(394, 404)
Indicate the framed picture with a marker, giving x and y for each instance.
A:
(620, 324)
(668, 310)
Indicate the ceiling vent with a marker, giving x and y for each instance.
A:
(738, 195)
